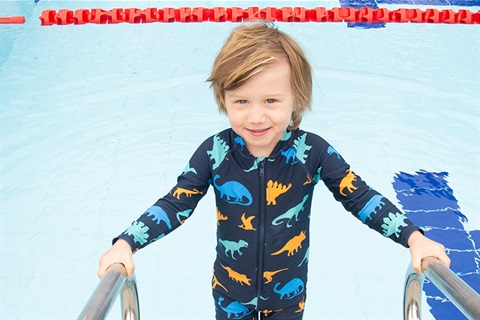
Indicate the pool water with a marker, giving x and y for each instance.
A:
(97, 121)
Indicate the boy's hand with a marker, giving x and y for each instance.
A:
(422, 247)
(120, 252)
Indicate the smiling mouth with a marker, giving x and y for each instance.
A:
(258, 132)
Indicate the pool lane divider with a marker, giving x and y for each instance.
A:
(12, 20)
(237, 14)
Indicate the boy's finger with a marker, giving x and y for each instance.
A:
(417, 265)
(100, 272)
(445, 259)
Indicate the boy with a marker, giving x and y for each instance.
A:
(263, 171)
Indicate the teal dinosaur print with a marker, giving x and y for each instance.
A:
(254, 301)
(158, 238)
(219, 151)
(189, 169)
(291, 213)
(139, 231)
(317, 177)
(232, 247)
(255, 164)
(393, 223)
(301, 148)
(184, 214)
(305, 258)
(286, 135)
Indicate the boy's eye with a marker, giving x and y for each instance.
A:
(271, 100)
(242, 101)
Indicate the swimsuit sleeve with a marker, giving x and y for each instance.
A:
(365, 203)
(170, 211)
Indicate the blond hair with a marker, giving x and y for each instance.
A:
(251, 48)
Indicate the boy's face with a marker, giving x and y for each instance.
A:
(260, 110)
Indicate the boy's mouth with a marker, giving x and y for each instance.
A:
(258, 132)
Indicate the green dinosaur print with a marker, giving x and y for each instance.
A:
(255, 164)
(189, 169)
(301, 148)
(218, 152)
(139, 232)
(393, 223)
(316, 177)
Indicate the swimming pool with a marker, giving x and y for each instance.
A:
(97, 121)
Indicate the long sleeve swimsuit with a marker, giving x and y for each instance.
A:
(263, 211)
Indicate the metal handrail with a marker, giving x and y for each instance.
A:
(113, 283)
(451, 285)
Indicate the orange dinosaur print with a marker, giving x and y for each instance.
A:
(301, 306)
(268, 275)
(237, 277)
(266, 313)
(220, 217)
(188, 193)
(216, 283)
(274, 189)
(309, 180)
(247, 223)
(292, 245)
(347, 183)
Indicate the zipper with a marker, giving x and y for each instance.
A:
(261, 228)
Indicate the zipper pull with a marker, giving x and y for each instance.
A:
(262, 168)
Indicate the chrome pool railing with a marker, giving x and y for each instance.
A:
(113, 283)
(451, 285)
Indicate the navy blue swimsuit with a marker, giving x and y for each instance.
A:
(263, 211)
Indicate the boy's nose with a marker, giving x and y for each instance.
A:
(256, 115)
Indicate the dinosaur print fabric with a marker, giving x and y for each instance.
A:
(263, 216)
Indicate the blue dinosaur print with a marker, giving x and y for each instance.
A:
(331, 150)
(139, 231)
(255, 164)
(234, 310)
(158, 215)
(291, 156)
(286, 135)
(301, 148)
(232, 247)
(371, 207)
(189, 169)
(234, 192)
(219, 151)
(393, 223)
(239, 140)
(291, 289)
